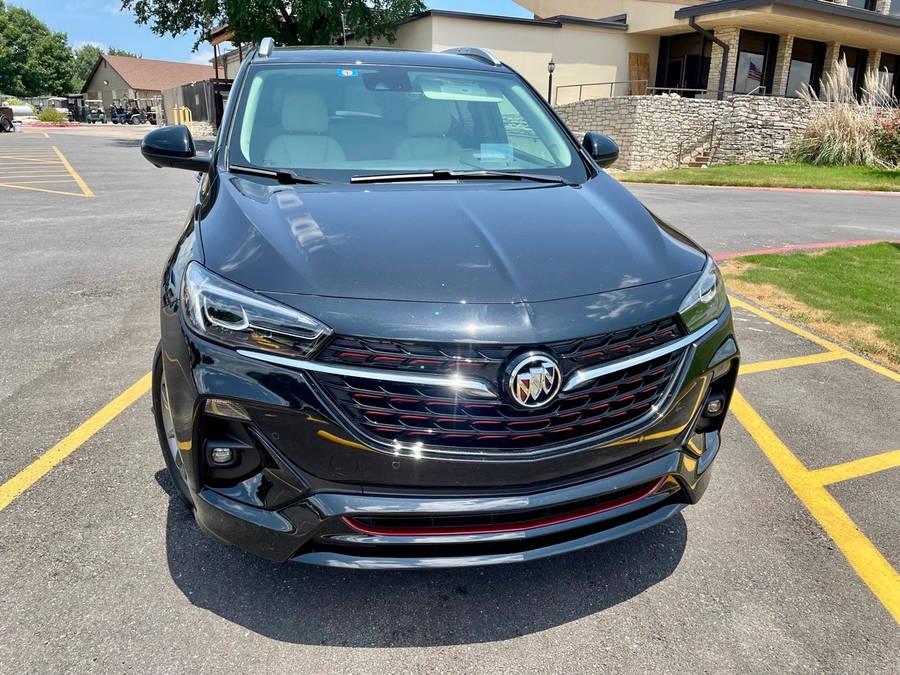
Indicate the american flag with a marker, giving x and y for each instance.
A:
(755, 72)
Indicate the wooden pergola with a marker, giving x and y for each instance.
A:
(217, 36)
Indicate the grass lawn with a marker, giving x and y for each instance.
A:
(849, 294)
(775, 175)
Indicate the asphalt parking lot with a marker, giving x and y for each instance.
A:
(790, 562)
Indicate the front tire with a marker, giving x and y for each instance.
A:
(165, 429)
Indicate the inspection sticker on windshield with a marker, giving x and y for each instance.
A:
(347, 72)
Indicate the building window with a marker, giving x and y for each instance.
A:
(862, 4)
(684, 63)
(856, 63)
(755, 62)
(807, 62)
(888, 71)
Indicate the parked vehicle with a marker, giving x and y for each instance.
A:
(6, 119)
(412, 323)
(96, 115)
(136, 116)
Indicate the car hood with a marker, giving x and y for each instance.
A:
(476, 242)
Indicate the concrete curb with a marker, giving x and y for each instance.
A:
(769, 189)
(804, 247)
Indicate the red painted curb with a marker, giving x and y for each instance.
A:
(769, 189)
(804, 247)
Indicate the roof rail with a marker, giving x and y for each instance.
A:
(476, 53)
(265, 46)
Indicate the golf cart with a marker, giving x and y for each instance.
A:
(127, 111)
(94, 111)
(61, 105)
(95, 115)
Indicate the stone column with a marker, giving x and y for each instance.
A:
(832, 55)
(872, 65)
(884, 6)
(874, 60)
(782, 65)
(732, 37)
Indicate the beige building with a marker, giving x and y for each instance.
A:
(615, 47)
(121, 78)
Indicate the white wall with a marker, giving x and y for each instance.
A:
(582, 54)
(413, 35)
(642, 14)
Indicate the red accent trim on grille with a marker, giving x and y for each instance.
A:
(503, 527)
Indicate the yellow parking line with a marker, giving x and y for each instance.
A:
(36, 189)
(34, 160)
(856, 358)
(39, 467)
(778, 364)
(736, 302)
(17, 183)
(84, 188)
(857, 468)
(882, 579)
(5, 176)
(46, 135)
(865, 363)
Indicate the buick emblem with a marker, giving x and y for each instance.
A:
(534, 380)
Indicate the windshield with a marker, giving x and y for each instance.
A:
(336, 122)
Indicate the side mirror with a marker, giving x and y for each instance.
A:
(602, 148)
(173, 147)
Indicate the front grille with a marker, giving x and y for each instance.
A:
(508, 521)
(483, 360)
(394, 412)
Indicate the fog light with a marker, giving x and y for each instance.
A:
(221, 455)
(714, 407)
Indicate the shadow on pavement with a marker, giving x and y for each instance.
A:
(323, 606)
(200, 144)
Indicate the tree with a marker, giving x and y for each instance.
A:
(85, 60)
(113, 51)
(34, 61)
(301, 22)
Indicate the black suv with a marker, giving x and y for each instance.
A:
(412, 323)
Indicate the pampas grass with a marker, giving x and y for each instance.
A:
(842, 133)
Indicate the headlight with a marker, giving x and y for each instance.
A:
(706, 300)
(224, 312)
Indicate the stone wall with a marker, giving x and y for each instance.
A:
(652, 131)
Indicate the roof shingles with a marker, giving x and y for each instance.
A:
(152, 75)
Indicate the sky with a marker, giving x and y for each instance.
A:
(101, 22)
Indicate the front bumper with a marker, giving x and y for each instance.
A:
(324, 496)
(316, 530)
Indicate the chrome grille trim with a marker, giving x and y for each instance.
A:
(477, 387)
(581, 377)
(456, 383)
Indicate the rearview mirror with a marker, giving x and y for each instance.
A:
(602, 148)
(173, 147)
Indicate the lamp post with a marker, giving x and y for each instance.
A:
(550, 68)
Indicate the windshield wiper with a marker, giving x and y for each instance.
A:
(285, 176)
(445, 174)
